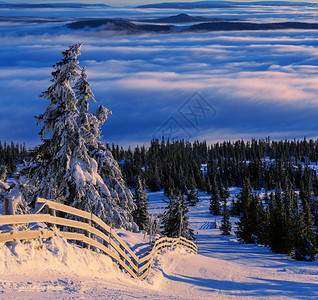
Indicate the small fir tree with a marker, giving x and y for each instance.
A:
(141, 215)
(226, 225)
(215, 207)
(175, 221)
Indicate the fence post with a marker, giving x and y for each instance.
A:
(87, 233)
(51, 212)
(110, 236)
(196, 240)
(7, 209)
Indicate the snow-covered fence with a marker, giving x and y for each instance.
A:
(164, 242)
(87, 228)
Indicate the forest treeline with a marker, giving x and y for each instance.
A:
(179, 163)
(284, 216)
(11, 154)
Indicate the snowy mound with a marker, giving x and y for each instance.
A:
(55, 254)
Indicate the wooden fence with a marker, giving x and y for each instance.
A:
(91, 231)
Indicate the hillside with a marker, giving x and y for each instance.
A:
(223, 269)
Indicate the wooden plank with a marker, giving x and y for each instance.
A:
(146, 257)
(188, 241)
(65, 208)
(126, 247)
(100, 223)
(81, 237)
(23, 219)
(147, 265)
(124, 255)
(164, 245)
(143, 276)
(189, 247)
(25, 235)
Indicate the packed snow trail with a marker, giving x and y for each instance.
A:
(237, 270)
(226, 269)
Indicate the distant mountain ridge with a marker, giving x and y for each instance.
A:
(240, 26)
(185, 18)
(221, 4)
(117, 25)
(130, 27)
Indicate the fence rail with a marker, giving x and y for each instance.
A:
(92, 232)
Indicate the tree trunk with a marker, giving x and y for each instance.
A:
(8, 207)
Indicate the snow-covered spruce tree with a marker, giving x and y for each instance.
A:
(3, 173)
(140, 214)
(72, 166)
(13, 198)
(118, 208)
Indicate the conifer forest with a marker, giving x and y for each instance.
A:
(284, 217)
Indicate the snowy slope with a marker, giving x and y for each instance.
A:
(223, 269)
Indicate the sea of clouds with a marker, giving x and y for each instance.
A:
(213, 86)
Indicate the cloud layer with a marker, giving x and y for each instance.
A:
(255, 83)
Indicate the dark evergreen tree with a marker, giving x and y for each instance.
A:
(215, 207)
(251, 225)
(305, 244)
(226, 225)
(279, 237)
(175, 221)
(140, 214)
(244, 197)
(154, 181)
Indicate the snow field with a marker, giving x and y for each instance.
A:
(223, 269)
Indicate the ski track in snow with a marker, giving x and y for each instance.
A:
(223, 269)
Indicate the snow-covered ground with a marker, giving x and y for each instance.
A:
(223, 269)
